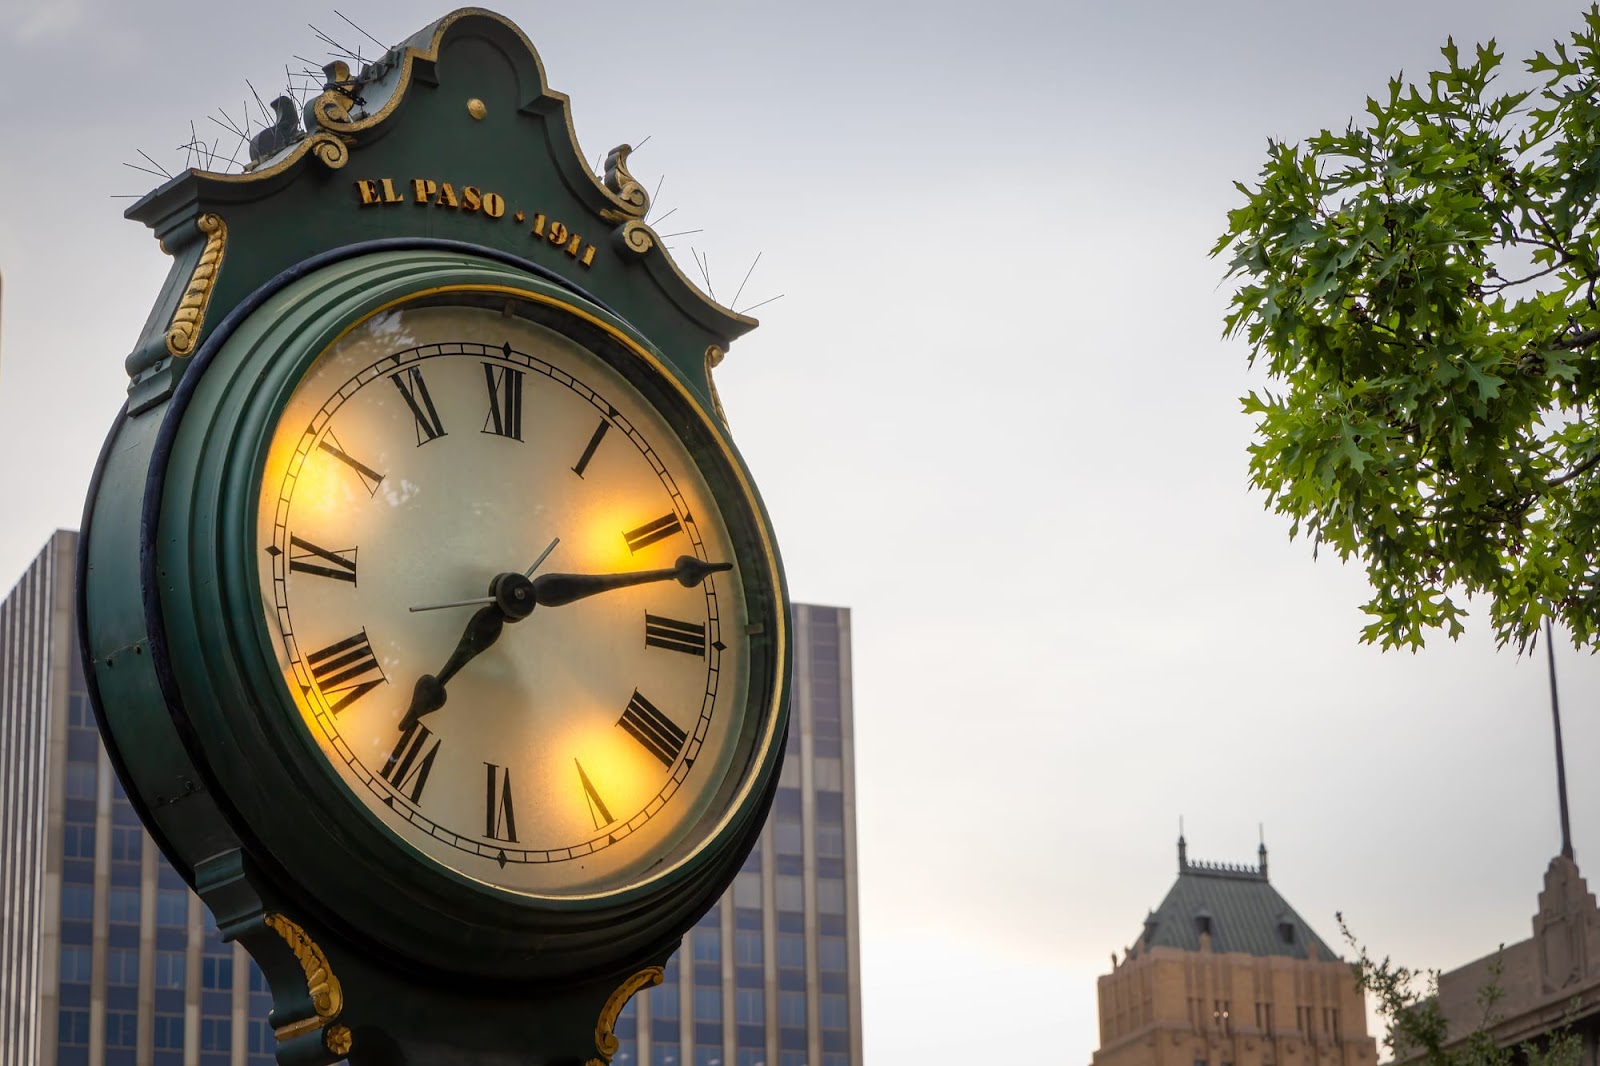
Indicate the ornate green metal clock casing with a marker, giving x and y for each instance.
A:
(433, 621)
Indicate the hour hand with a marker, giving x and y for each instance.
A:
(555, 590)
(482, 631)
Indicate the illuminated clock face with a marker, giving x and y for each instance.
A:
(552, 724)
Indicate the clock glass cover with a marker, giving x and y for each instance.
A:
(564, 749)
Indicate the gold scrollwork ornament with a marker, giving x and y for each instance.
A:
(327, 997)
(331, 109)
(330, 150)
(635, 201)
(184, 332)
(605, 1034)
(637, 237)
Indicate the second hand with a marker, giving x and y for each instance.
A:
(480, 600)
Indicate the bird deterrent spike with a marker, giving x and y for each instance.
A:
(746, 281)
(153, 163)
(763, 303)
(361, 31)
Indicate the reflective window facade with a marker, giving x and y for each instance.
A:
(123, 965)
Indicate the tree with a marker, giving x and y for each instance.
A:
(1415, 1029)
(1421, 292)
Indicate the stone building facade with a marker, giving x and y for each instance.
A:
(1550, 979)
(1225, 973)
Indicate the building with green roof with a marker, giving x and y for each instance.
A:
(1226, 973)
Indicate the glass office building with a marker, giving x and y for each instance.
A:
(107, 958)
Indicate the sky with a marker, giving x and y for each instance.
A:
(992, 413)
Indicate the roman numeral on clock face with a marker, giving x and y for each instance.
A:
(415, 391)
(659, 734)
(673, 635)
(314, 559)
(499, 819)
(345, 669)
(505, 401)
(411, 761)
(597, 806)
(370, 478)
(588, 450)
(650, 532)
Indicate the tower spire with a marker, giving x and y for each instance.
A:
(1261, 852)
(1561, 762)
(1183, 848)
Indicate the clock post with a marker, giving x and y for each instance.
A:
(432, 621)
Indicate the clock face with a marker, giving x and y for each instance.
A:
(560, 751)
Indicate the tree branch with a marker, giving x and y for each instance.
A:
(1582, 468)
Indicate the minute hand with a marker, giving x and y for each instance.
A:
(555, 590)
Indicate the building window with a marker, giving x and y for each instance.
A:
(751, 1056)
(791, 1058)
(747, 889)
(122, 1028)
(707, 1004)
(126, 844)
(216, 972)
(216, 1034)
(835, 1058)
(80, 780)
(664, 1001)
(830, 895)
(791, 893)
(77, 902)
(258, 980)
(792, 1009)
(168, 1031)
(77, 840)
(788, 838)
(76, 961)
(122, 966)
(170, 969)
(827, 774)
(79, 713)
(172, 907)
(791, 951)
(750, 1006)
(262, 1041)
(73, 1029)
(124, 906)
(747, 948)
(834, 1010)
(707, 945)
(705, 1055)
(830, 841)
(831, 954)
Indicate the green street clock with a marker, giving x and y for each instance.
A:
(434, 624)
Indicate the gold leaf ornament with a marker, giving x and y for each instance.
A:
(638, 237)
(605, 1035)
(623, 185)
(184, 332)
(327, 997)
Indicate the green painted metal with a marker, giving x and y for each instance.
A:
(434, 968)
(294, 205)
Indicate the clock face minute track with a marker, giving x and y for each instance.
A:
(548, 733)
